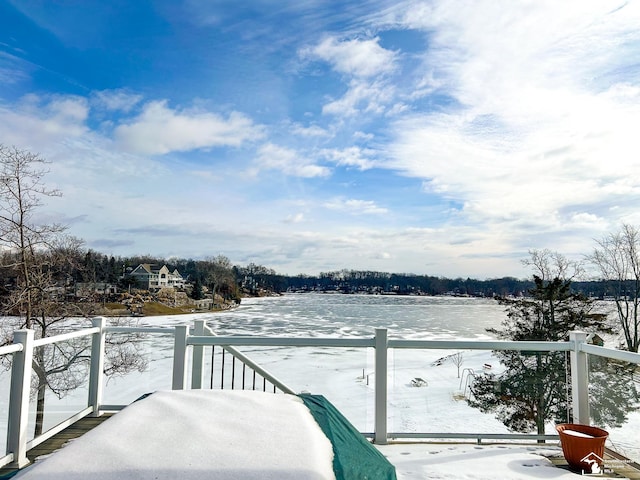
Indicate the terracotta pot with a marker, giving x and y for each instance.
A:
(582, 446)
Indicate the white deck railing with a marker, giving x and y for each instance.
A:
(199, 336)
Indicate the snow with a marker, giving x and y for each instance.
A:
(276, 439)
(474, 462)
(577, 434)
(237, 435)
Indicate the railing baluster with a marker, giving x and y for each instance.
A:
(244, 369)
(233, 371)
(222, 372)
(213, 351)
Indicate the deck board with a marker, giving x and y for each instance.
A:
(56, 442)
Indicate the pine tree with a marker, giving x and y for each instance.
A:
(534, 386)
(197, 293)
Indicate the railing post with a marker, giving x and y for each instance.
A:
(579, 379)
(381, 345)
(197, 359)
(19, 398)
(96, 373)
(180, 357)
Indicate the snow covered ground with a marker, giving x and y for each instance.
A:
(473, 462)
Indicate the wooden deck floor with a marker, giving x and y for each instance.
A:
(57, 441)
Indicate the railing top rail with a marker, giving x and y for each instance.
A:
(483, 345)
(370, 342)
(281, 341)
(66, 336)
(114, 329)
(7, 349)
(622, 355)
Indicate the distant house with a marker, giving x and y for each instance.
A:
(84, 289)
(154, 277)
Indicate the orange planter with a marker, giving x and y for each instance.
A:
(583, 446)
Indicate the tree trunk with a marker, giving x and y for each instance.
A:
(41, 389)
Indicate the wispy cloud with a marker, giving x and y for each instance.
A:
(363, 64)
(288, 161)
(295, 218)
(353, 58)
(361, 97)
(351, 157)
(116, 100)
(12, 69)
(310, 131)
(355, 207)
(159, 129)
(536, 132)
(36, 121)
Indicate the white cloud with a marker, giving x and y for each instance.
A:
(160, 130)
(116, 100)
(296, 218)
(310, 131)
(68, 108)
(587, 220)
(288, 161)
(35, 121)
(355, 207)
(363, 136)
(13, 70)
(361, 97)
(540, 127)
(356, 58)
(350, 157)
(366, 66)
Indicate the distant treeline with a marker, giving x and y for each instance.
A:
(257, 279)
(357, 281)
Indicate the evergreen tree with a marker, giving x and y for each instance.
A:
(534, 386)
(197, 293)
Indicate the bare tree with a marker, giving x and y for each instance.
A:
(547, 265)
(219, 273)
(617, 258)
(457, 359)
(39, 259)
(21, 194)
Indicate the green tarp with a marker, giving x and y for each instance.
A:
(354, 458)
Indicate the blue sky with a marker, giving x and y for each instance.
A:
(433, 137)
